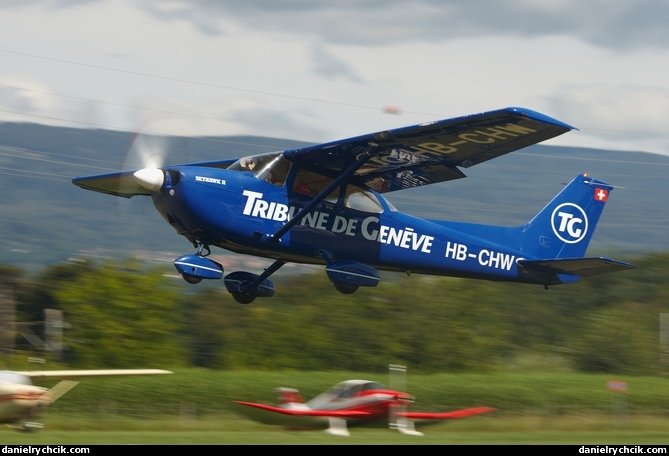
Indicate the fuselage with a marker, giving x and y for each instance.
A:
(19, 402)
(236, 211)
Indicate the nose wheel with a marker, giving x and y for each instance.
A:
(194, 268)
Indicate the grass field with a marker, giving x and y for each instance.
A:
(193, 407)
(483, 430)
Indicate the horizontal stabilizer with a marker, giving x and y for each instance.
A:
(59, 390)
(583, 267)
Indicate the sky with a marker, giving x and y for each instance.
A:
(320, 71)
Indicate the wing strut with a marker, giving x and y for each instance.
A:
(373, 150)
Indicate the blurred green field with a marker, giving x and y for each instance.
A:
(486, 430)
(193, 406)
(201, 393)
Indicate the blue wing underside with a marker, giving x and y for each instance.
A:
(432, 152)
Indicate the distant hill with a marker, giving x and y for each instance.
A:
(46, 219)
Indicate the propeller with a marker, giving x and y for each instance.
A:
(396, 412)
(148, 153)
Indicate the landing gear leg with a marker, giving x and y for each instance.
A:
(202, 247)
(246, 287)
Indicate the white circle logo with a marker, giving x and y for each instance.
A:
(569, 223)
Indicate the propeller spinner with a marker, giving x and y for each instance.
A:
(150, 178)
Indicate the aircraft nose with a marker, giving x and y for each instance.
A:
(150, 178)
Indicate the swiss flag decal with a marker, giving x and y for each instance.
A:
(601, 194)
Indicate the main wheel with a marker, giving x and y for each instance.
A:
(345, 288)
(243, 298)
(191, 279)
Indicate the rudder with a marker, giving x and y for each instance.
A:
(564, 227)
(288, 396)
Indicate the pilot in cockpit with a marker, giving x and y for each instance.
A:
(248, 163)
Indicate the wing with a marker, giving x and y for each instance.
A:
(431, 152)
(307, 412)
(402, 158)
(584, 267)
(124, 184)
(92, 373)
(455, 414)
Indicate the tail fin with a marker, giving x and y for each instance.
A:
(558, 236)
(554, 242)
(288, 396)
(564, 227)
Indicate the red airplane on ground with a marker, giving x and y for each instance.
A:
(351, 402)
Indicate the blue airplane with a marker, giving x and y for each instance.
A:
(323, 204)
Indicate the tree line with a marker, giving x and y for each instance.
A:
(128, 314)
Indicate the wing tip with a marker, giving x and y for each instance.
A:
(536, 115)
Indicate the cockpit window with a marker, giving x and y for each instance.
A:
(312, 184)
(373, 386)
(272, 168)
(362, 200)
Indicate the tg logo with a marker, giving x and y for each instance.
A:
(569, 223)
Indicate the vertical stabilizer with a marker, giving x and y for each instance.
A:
(286, 396)
(564, 227)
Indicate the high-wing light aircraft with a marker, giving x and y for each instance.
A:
(351, 402)
(21, 400)
(323, 204)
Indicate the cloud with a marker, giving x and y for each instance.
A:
(23, 94)
(610, 24)
(321, 71)
(330, 67)
(612, 114)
